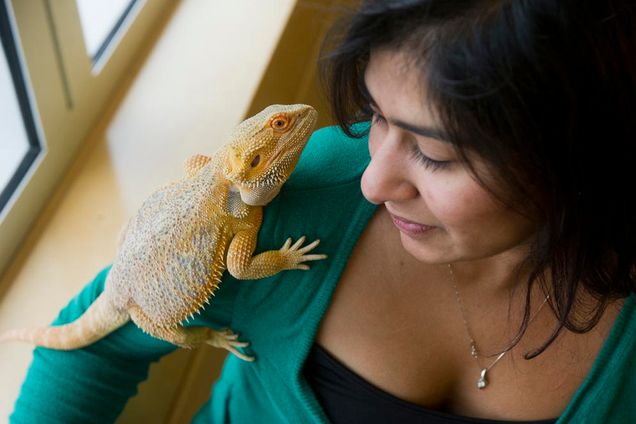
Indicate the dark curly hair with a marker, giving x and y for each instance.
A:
(545, 92)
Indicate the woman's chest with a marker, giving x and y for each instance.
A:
(396, 324)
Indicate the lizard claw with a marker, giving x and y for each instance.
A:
(296, 254)
(228, 340)
(298, 243)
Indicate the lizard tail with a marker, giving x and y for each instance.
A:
(99, 320)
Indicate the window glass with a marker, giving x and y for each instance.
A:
(100, 20)
(18, 142)
(13, 138)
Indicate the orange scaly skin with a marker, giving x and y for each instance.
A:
(175, 249)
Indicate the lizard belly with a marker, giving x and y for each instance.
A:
(172, 257)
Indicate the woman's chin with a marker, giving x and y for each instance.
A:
(426, 249)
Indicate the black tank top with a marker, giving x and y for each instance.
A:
(348, 398)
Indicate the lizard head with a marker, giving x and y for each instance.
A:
(265, 149)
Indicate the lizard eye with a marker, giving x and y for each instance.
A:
(279, 123)
(255, 161)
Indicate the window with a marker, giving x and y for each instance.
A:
(58, 70)
(102, 21)
(19, 145)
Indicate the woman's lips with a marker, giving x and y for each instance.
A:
(409, 227)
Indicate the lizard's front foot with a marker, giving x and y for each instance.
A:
(227, 339)
(295, 255)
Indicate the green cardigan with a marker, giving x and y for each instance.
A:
(279, 316)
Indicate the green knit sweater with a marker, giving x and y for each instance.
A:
(279, 316)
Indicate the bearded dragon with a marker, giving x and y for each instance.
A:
(176, 247)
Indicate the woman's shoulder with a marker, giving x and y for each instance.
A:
(331, 158)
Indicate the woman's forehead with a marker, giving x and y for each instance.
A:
(397, 86)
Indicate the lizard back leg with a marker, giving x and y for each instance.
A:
(190, 337)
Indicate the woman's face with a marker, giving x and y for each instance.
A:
(442, 213)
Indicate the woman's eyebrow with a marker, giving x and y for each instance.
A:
(423, 130)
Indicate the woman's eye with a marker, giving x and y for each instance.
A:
(428, 163)
(376, 118)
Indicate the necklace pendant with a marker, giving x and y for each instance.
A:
(483, 380)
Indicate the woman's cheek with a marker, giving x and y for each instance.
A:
(459, 206)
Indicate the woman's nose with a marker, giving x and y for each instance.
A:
(386, 178)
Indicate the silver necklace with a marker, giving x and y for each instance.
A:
(482, 383)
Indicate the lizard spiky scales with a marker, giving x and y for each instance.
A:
(186, 234)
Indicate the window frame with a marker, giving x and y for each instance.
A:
(68, 94)
(14, 62)
(100, 58)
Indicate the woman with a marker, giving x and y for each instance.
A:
(493, 279)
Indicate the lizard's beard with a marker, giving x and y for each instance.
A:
(258, 196)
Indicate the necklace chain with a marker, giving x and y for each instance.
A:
(482, 383)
